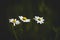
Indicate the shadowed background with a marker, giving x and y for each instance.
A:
(50, 30)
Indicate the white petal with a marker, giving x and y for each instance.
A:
(27, 20)
(17, 22)
(38, 22)
(10, 20)
(14, 24)
(41, 22)
(35, 19)
(20, 17)
(36, 16)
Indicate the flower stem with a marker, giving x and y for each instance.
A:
(14, 33)
(56, 36)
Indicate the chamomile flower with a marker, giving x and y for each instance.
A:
(14, 21)
(39, 19)
(24, 19)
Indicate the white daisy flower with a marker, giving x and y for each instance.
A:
(14, 21)
(24, 19)
(39, 19)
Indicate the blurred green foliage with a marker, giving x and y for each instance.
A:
(32, 30)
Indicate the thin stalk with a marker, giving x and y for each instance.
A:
(14, 33)
(56, 36)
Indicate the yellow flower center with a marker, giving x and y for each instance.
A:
(14, 21)
(24, 18)
(39, 19)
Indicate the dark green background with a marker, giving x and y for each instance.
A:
(49, 9)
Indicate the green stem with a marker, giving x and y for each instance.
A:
(56, 36)
(14, 33)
